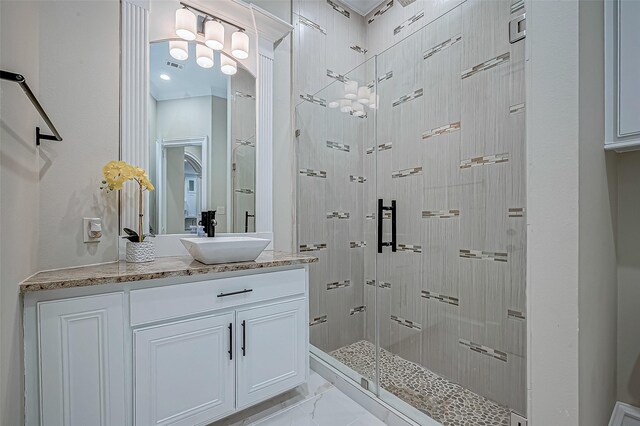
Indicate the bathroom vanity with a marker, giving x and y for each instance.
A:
(173, 341)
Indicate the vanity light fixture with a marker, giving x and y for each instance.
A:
(186, 24)
(334, 104)
(351, 89)
(165, 77)
(227, 65)
(358, 109)
(345, 105)
(179, 49)
(240, 45)
(204, 56)
(214, 34)
(364, 93)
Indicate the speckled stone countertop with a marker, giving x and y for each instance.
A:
(163, 267)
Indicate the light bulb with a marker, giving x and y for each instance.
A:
(334, 104)
(204, 56)
(227, 65)
(240, 45)
(351, 89)
(345, 105)
(214, 35)
(358, 109)
(186, 24)
(364, 93)
(179, 49)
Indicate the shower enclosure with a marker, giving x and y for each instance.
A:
(412, 195)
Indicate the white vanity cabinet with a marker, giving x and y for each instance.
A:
(162, 352)
(622, 67)
(82, 362)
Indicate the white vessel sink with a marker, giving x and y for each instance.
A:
(224, 249)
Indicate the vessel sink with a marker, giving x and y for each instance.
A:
(224, 249)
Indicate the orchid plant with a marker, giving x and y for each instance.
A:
(116, 174)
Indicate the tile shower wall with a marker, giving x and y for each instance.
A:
(449, 147)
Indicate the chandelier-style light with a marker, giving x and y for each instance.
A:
(364, 93)
(212, 33)
(351, 89)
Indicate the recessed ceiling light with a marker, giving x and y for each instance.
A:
(165, 77)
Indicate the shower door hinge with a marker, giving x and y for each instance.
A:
(364, 383)
(517, 28)
(518, 420)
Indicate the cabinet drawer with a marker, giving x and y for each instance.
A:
(173, 301)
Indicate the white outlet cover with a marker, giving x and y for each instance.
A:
(86, 222)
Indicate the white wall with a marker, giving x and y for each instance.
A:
(45, 194)
(628, 278)
(79, 87)
(597, 221)
(19, 203)
(571, 193)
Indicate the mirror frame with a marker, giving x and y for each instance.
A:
(268, 30)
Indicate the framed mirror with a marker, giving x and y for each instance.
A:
(202, 143)
(205, 136)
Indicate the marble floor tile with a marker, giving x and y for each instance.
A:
(439, 398)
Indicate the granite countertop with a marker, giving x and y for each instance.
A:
(163, 267)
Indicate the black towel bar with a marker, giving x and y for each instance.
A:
(18, 78)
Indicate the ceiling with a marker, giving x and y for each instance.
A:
(363, 7)
(192, 80)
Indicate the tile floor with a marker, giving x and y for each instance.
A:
(441, 399)
(317, 403)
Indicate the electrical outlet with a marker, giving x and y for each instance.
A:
(518, 420)
(92, 229)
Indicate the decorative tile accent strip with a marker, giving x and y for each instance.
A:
(309, 23)
(357, 244)
(357, 309)
(440, 214)
(338, 146)
(387, 76)
(370, 216)
(385, 146)
(380, 11)
(447, 128)
(357, 179)
(407, 172)
(408, 22)
(483, 161)
(359, 49)
(440, 297)
(245, 95)
(339, 8)
(406, 322)
(516, 212)
(494, 62)
(314, 100)
(338, 284)
(515, 314)
(338, 215)
(410, 247)
(312, 247)
(245, 142)
(318, 320)
(517, 5)
(337, 76)
(313, 173)
(407, 98)
(514, 109)
(372, 283)
(371, 84)
(483, 255)
(383, 284)
(442, 46)
(485, 350)
(386, 214)
(244, 191)
(371, 150)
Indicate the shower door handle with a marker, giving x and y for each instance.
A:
(381, 209)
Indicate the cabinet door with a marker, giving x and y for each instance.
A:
(629, 68)
(272, 350)
(81, 354)
(184, 371)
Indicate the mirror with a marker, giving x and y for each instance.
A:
(202, 143)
